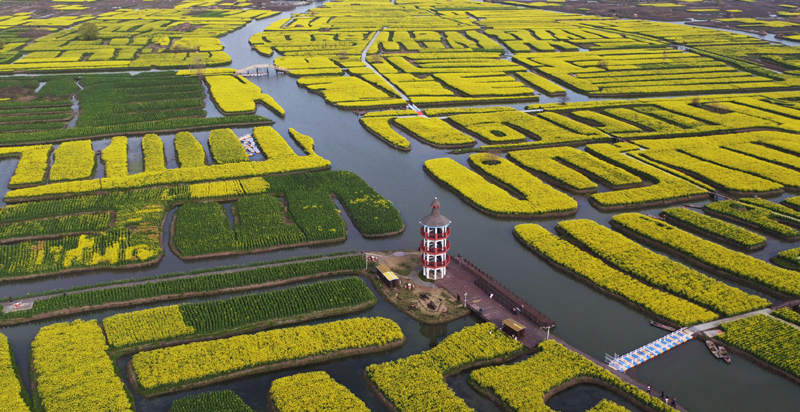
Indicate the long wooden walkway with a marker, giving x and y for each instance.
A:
(463, 277)
(492, 302)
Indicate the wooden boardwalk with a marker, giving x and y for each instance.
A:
(463, 277)
(495, 307)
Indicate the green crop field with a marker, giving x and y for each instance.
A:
(196, 197)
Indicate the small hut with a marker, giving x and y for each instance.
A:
(387, 276)
(514, 328)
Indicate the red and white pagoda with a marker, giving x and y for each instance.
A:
(434, 246)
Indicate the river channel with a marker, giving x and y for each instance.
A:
(585, 318)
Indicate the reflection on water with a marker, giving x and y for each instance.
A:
(434, 333)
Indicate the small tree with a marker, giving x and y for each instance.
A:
(199, 65)
(88, 31)
(602, 64)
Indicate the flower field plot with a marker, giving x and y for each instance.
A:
(23, 110)
(662, 118)
(736, 163)
(126, 40)
(174, 287)
(715, 228)
(349, 92)
(523, 386)
(281, 158)
(709, 255)
(503, 128)
(303, 214)
(118, 104)
(571, 259)
(139, 217)
(73, 371)
(659, 271)
(573, 169)
(217, 401)
(767, 339)
(236, 95)
(64, 243)
(575, 123)
(782, 209)
(195, 364)
(416, 383)
(762, 219)
(788, 315)
(680, 169)
(313, 392)
(434, 132)
(381, 127)
(457, 52)
(531, 197)
(13, 397)
(789, 259)
(648, 72)
(244, 313)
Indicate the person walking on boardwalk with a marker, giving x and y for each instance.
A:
(662, 395)
(673, 402)
(667, 400)
(648, 388)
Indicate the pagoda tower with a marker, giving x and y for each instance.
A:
(434, 246)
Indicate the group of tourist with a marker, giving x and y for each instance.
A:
(664, 397)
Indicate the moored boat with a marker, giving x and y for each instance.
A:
(713, 348)
(662, 326)
(723, 353)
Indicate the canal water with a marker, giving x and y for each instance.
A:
(585, 318)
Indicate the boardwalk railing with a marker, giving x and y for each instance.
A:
(503, 296)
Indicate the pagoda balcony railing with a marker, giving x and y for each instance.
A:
(434, 265)
(433, 250)
(434, 236)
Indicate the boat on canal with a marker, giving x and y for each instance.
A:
(723, 354)
(713, 348)
(662, 326)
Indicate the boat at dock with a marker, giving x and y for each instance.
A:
(723, 353)
(249, 145)
(662, 326)
(713, 348)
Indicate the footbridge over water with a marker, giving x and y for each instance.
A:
(247, 71)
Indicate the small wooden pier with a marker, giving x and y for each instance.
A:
(493, 302)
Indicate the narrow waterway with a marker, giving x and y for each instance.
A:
(587, 319)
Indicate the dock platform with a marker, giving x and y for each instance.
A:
(649, 351)
(491, 301)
